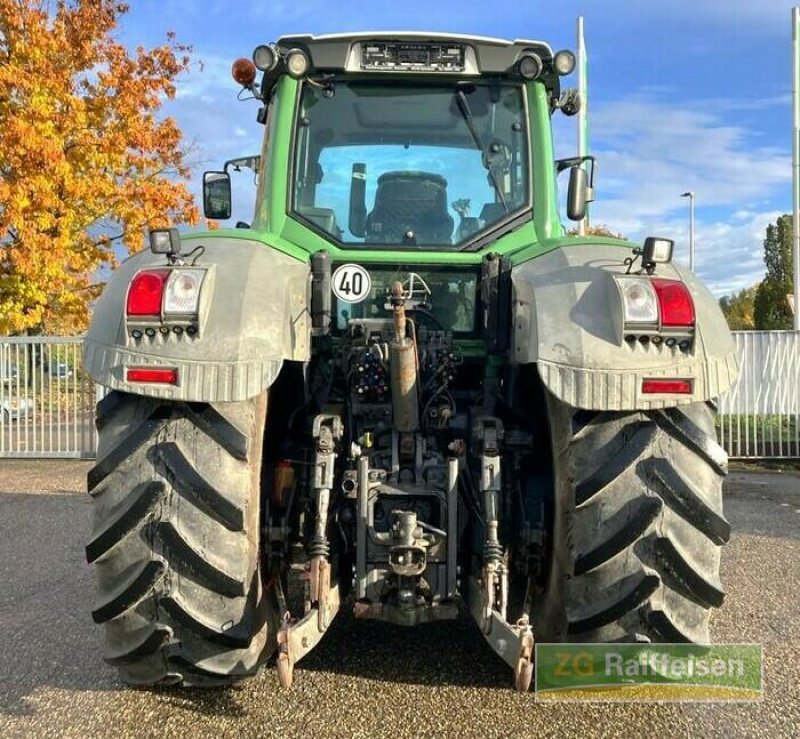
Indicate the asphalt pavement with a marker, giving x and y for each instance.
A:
(365, 679)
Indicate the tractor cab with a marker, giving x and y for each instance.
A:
(405, 141)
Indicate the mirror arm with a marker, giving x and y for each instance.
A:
(569, 162)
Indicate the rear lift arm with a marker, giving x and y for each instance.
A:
(488, 597)
(298, 638)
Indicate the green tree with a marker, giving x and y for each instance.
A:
(739, 309)
(771, 310)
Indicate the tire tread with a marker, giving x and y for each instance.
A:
(642, 529)
(175, 498)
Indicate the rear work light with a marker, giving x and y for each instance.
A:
(675, 303)
(146, 292)
(159, 375)
(672, 387)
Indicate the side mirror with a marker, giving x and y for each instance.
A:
(357, 217)
(579, 193)
(581, 184)
(217, 195)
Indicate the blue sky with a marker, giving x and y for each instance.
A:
(684, 95)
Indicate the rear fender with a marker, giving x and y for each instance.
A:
(253, 315)
(567, 320)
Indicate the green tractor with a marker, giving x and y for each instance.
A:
(404, 388)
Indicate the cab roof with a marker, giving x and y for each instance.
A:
(337, 52)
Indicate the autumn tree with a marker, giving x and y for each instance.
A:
(771, 308)
(86, 160)
(739, 309)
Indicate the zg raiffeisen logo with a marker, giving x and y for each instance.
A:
(644, 672)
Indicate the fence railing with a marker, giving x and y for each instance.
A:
(47, 399)
(759, 415)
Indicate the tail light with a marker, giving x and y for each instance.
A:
(675, 303)
(146, 292)
(174, 292)
(655, 304)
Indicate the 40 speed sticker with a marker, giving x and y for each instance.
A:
(351, 283)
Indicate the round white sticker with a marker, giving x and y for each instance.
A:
(351, 283)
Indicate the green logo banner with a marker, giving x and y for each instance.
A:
(645, 672)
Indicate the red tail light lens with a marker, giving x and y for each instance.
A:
(673, 387)
(675, 302)
(160, 375)
(146, 292)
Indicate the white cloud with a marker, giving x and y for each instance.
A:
(660, 150)
(729, 256)
(650, 151)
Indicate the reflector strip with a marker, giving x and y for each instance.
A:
(675, 387)
(160, 375)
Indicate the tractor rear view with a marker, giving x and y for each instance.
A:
(402, 387)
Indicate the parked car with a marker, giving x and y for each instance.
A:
(59, 370)
(8, 374)
(14, 408)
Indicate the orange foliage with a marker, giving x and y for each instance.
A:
(86, 162)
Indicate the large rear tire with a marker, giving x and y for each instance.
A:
(175, 540)
(637, 525)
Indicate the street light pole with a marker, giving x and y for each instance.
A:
(796, 162)
(583, 138)
(690, 195)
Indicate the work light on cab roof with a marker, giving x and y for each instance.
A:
(265, 57)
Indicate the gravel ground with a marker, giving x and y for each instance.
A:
(360, 681)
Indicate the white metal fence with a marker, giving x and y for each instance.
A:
(759, 416)
(48, 401)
